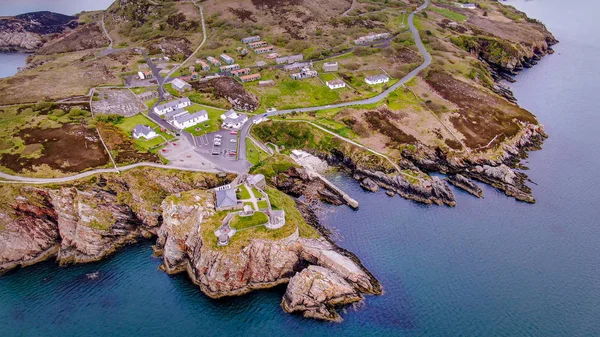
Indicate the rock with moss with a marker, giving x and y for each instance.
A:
(259, 263)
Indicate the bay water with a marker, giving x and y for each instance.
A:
(488, 267)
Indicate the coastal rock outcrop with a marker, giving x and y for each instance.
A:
(85, 222)
(28, 32)
(428, 191)
(465, 184)
(369, 185)
(315, 291)
(221, 272)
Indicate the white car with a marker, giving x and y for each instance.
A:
(233, 140)
(271, 109)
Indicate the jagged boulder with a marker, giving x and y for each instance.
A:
(315, 291)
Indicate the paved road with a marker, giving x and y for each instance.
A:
(244, 132)
(27, 180)
(197, 49)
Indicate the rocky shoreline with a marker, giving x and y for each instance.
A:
(28, 32)
(90, 221)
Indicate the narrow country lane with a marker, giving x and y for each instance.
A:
(245, 131)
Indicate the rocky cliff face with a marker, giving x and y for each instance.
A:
(28, 32)
(85, 222)
(220, 272)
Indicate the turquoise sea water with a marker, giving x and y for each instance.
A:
(489, 267)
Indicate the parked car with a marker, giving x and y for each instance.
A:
(233, 133)
(218, 136)
(271, 109)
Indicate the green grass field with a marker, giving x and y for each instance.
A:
(244, 194)
(130, 123)
(257, 219)
(263, 204)
(213, 124)
(253, 153)
(257, 193)
(449, 14)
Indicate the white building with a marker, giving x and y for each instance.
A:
(299, 154)
(187, 120)
(289, 59)
(180, 85)
(377, 79)
(227, 59)
(331, 66)
(336, 84)
(371, 38)
(143, 131)
(468, 6)
(235, 123)
(141, 75)
(173, 105)
(249, 39)
(229, 114)
(305, 73)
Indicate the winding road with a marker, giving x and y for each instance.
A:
(245, 131)
(28, 180)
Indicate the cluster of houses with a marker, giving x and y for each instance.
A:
(175, 114)
(371, 38)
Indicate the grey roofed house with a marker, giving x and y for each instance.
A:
(377, 78)
(141, 129)
(235, 121)
(255, 179)
(183, 118)
(180, 111)
(226, 199)
(173, 104)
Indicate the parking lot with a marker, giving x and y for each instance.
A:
(223, 149)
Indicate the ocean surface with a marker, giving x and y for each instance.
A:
(9, 62)
(488, 267)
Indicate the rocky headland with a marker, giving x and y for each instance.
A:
(90, 220)
(28, 32)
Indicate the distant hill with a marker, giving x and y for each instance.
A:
(27, 32)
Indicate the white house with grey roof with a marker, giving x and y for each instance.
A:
(234, 122)
(289, 59)
(377, 79)
(187, 120)
(180, 85)
(143, 131)
(173, 105)
(170, 115)
(468, 6)
(336, 84)
(250, 39)
(229, 114)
